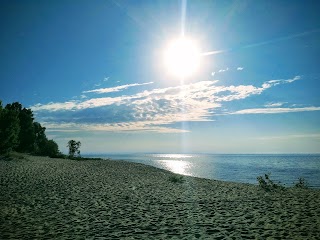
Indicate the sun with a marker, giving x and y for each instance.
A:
(182, 57)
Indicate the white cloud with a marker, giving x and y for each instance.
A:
(116, 89)
(154, 110)
(271, 83)
(297, 105)
(79, 105)
(275, 110)
(145, 126)
(278, 104)
(223, 70)
(239, 68)
(294, 79)
(239, 92)
(51, 106)
(106, 79)
(287, 137)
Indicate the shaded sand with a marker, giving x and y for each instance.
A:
(62, 199)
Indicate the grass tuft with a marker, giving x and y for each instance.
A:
(302, 183)
(267, 184)
(176, 179)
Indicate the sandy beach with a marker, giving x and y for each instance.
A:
(43, 198)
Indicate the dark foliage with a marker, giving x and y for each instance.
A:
(74, 148)
(27, 133)
(40, 138)
(51, 149)
(267, 184)
(176, 179)
(9, 130)
(302, 183)
(19, 132)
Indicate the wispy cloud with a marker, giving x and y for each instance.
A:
(258, 44)
(223, 70)
(153, 110)
(115, 127)
(275, 110)
(239, 68)
(116, 89)
(80, 105)
(277, 104)
(286, 137)
(294, 79)
(280, 81)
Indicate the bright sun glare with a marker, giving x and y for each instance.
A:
(182, 57)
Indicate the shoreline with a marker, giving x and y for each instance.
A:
(60, 198)
(213, 166)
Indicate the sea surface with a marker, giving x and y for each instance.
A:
(244, 168)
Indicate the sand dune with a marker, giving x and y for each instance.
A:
(63, 199)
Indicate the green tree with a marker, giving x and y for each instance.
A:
(51, 149)
(9, 130)
(17, 107)
(40, 138)
(26, 134)
(19, 132)
(74, 148)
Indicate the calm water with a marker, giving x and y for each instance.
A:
(237, 168)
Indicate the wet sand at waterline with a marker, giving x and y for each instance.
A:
(47, 198)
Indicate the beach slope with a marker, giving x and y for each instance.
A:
(58, 198)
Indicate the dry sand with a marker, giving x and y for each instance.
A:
(43, 198)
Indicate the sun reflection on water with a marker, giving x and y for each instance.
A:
(173, 155)
(176, 166)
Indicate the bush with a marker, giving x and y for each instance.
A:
(267, 184)
(51, 148)
(176, 179)
(302, 183)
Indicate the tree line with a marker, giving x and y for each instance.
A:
(19, 132)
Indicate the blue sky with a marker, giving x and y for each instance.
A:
(94, 72)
